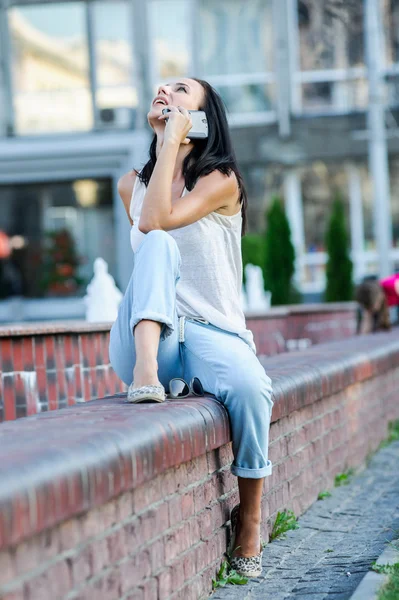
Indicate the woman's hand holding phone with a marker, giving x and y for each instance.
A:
(178, 124)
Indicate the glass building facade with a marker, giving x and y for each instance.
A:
(76, 79)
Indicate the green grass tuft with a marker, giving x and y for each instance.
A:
(343, 478)
(227, 575)
(390, 590)
(393, 434)
(323, 495)
(285, 521)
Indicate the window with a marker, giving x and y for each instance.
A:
(46, 261)
(112, 25)
(3, 100)
(330, 38)
(390, 25)
(50, 68)
(235, 37)
(261, 184)
(236, 52)
(170, 33)
(368, 203)
(319, 184)
(331, 56)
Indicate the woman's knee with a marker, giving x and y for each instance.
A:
(161, 238)
(252, 390)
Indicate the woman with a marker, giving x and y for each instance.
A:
(181, 314)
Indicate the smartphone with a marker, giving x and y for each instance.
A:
(199, 130)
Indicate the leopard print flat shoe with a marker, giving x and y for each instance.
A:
(248, 566)
(146, 393)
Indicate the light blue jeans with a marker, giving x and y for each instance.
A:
(224, 362)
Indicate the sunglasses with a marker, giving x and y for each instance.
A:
(178, 388)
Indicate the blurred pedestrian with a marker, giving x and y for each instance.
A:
(375, 297)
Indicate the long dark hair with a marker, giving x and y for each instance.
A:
(214, 152)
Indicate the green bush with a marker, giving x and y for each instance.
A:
(252, 248)
(279, 265)
(339, 266)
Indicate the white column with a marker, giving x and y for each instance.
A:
(356, 221)
(378, 151)
(294, 211)
(282, 65)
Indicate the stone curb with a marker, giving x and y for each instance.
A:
(372, 582)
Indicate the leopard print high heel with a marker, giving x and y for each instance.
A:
(248, 566)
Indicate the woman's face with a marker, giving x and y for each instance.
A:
(184, 92)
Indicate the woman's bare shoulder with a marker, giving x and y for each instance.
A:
(228, 186)
(125, 185)
(125, 190)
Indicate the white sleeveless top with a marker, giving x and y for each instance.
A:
(211, 269)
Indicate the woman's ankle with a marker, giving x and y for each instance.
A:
(250, 517)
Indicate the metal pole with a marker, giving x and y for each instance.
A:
(5, 67)
(91, 40)
(378, 151)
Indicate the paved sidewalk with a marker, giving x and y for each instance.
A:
(356, 522)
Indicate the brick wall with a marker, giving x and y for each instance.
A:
(133, 501)
(49, 366)
(46, 367)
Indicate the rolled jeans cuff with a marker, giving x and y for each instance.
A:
(252, 473)
(167, 327)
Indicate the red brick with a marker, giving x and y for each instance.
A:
(86, 378)
(70, 385)
(7, 568)
(124, 506)
(136, 594)
(173, 544)
(28, 349)
(15, 595)
(99, 558)
(188, 565)
(9, 397)
(49, 345)
(78, 383)
(53, 583)
(112, 584)
(68, 351)
(150, 588)
(52, 392)
(175, 510)
(177, 575)
(80, 566)
(98, 349)
(164, 584)
(147, 494)
(17, 355)
(88, 352)
(117, 545)
(70, 534)
(187, 504)
(157, 555)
